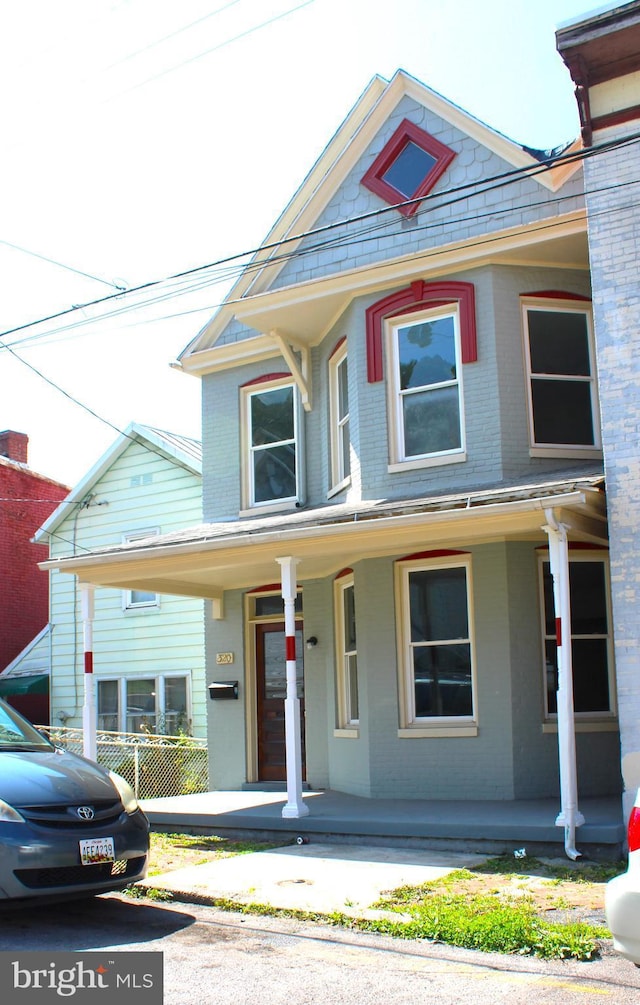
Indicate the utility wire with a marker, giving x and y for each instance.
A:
(61, 265)
(215, 48)
(345, 240)
(512, 174)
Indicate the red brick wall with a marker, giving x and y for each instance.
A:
(26, 500)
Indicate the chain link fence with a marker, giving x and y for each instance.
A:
(153, 765)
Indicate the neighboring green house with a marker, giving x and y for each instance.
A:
(149, 663)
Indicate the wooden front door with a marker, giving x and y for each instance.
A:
(271, 682)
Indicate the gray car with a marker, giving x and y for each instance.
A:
(68, 827)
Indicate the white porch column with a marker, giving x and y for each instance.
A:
(569, 816)
(87, 602)
(295, 807)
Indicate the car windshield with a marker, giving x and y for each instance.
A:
(18, 734)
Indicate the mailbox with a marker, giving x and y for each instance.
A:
(223, 690)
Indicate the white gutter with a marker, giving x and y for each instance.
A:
(569, 816)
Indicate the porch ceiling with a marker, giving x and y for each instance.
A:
(206, 561)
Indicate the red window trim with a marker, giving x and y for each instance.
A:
(343, 573)
(339, 344)
(411, 299)
(266, 377)
(438, 553)
(556, 295)
(407, 132)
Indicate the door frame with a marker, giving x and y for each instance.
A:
(250, 679)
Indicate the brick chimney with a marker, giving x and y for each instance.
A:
(14, 445)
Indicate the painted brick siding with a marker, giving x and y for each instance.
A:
(495, 405)
(614, 243)
(226, 721)
(519, 202)
(26, 500)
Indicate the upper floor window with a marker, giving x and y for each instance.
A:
(134, 599)
(346, 652)
(559, 355)
(272, 424)
(591, 642)
(408, 167)
(434, 605)
(339, 417)
(426, 408)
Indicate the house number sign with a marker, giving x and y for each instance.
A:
(224, 658)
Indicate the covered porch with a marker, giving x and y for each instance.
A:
(488, 826)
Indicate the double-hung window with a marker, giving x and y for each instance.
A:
(591, 641)
(436, 640)
(272, 422)
(139, 599)
(339, 417)
(144, 704)
(561, 377)
(346, 653)
(426, 407)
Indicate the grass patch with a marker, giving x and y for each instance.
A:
(174, 851)
(575, 872)
(488, 923)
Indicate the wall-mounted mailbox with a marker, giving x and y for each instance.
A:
(223, 690)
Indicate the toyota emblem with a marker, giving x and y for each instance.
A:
(86, 812)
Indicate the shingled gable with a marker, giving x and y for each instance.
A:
(349, 144)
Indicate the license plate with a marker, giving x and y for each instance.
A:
(97, 850)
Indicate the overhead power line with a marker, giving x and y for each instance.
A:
(464, 190)
(61, 265)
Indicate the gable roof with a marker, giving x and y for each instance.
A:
(183, 450)
(351, 142)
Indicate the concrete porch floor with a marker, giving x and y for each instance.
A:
(490, 827)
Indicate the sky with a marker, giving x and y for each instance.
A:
(142, 139)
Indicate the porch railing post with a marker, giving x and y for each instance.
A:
(295, 806)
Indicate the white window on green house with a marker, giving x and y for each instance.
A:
(561, 377)
(436, 639)
(346, 653)
(591, 640)
(426, 405)
(136, 599)
(144, 704)
(272, 422)
(339, 418)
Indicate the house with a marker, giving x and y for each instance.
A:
(602, 53)
(26, 499)
(405, 544)
(149, 665)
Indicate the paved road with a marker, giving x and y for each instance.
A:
(215, 958)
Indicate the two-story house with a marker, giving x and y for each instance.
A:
(401, 438)
(149, 648)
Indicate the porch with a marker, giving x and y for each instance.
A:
(486, 826)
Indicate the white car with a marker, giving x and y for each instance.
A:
(622, 896)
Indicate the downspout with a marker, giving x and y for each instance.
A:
(569, 816)
(295, 806)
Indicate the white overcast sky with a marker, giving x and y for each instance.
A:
(143, 138)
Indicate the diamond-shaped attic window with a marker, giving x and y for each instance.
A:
(408, 167)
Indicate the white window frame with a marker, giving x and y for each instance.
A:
(348, 724)
(339, 423)
(558, 306)
(159, 686)
(128, 603)
(277, 505)
(583, 719)
(412, 725)
(399, 461)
